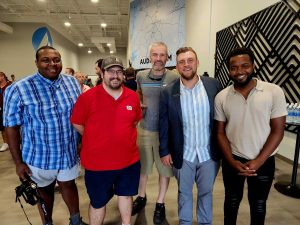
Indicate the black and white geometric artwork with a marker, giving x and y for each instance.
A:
(273, 34)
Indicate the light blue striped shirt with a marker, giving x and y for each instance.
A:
(42, 108)
(195, 117)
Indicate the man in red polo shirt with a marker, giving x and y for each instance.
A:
(106, 117)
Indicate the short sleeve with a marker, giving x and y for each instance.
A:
(80, 110)
(279, 103)
(219, 114)
(12, 107)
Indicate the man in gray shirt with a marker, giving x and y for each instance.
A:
(149, 83)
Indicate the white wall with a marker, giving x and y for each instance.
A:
(17, 54)
(87, 61)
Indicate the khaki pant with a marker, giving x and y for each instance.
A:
(148, 143)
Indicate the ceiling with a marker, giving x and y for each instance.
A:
(85, 18)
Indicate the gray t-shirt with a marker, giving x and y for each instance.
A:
(151, 90)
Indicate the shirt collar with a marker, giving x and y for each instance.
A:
(199, 82)
(259, 86)
(55, 83)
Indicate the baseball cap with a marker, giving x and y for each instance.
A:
(111, 61)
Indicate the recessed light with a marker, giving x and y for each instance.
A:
(80, 44)
(94, 1)
(103, 25)
(67, 24)
(108, 44)
(89, 51)
(111, 52)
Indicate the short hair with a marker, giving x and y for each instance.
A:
(130, 72)
(71, 70)
(99, 62)
(240, 51)
(158, 43)
(78, 73)
(184, 50)
(42, 48)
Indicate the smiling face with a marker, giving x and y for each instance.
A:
(241, 70)
(186, 65)
(158, 57)
(49, 63)
(113, 77)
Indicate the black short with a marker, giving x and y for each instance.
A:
(102, 185)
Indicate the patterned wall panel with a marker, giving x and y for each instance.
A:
(274, 36)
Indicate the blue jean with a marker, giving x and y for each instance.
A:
(258, 190)
(203, 174)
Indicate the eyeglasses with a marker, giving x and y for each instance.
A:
(113, 72)
(49, 61)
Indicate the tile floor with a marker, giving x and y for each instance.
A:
(282, 210)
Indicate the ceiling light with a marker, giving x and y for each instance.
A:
(67, 24)
(80, 44)
(89, 51)
(108, 44)
(103, 25)
(111, 52)
(94, 1)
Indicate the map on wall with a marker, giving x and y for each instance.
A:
(152, 21)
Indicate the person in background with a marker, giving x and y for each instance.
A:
(130, 81)
(149, 83)
(106, 117)
(13, 78)
(41, 139)
(205, 74)
(186, 116)
(98, 71)
(88, 81)
(70, 71)
(81, 77)
(4, 83)
(250, 119)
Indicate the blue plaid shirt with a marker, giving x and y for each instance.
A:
(42, 108)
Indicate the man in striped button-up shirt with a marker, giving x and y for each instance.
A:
(40, 106)
(186, 121)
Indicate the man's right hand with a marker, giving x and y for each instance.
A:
(167, 160)
(242, 169)
(22, 169)
(143, 106)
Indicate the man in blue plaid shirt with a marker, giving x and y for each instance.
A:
(42, 141)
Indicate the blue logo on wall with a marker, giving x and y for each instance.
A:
(38, 37)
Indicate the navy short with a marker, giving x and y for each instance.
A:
(103, 185)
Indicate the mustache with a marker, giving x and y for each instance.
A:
(111, 79)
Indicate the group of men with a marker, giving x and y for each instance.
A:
(181, 121)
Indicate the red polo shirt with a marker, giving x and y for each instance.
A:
(109, 138)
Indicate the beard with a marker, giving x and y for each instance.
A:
(112, 85)
(189, 76)
(237, 83)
